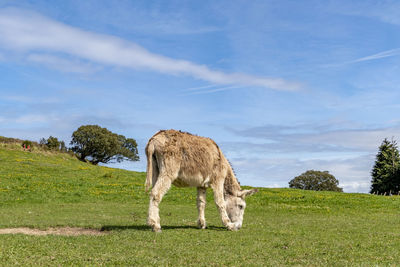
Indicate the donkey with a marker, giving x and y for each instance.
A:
(186, 160)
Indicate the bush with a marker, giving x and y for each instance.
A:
(316, 180)
(53, 143)
(7, 140)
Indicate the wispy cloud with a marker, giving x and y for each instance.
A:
(353, 173)
(387, 53)
(30, 32)
(32, 119)
(62, 64)
(384, 54)
(278, 153)
(200, 92)
(317, 138)
(385, 11)
(21, 99)
(201, 87)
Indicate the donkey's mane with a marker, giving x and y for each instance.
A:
(231, 185)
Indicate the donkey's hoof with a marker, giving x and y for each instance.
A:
(231, 227)
(201, 224)
(156, 229)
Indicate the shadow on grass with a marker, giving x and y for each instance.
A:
(163, 227)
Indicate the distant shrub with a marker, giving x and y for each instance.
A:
(43, 142)
(109, 175)
(7, 140)
(316, 180)
(52, 143)
(15, 143)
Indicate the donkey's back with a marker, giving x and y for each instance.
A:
(186, 159)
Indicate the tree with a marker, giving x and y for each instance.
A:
(97, 144)
(43, 142)
(316, 180)
(53, 143)
(385, 173)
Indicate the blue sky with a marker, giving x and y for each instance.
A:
(281, 86)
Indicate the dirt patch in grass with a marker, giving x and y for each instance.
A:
(67, 231)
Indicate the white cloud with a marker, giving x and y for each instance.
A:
(26, 31)
(385, 11)
(62, 64)
(201, 87)
(32, 119)
(387, 53)
(275, 154)
(353, 173)
(383, 54)
(31, 100)
(318, 138)
(364, 140)
(198, 92)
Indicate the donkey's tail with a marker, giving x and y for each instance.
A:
(149, 155)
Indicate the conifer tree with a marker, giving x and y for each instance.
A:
(385, 173)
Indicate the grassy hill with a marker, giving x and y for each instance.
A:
(41, 189)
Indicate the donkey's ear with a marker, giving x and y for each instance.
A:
(245, 193)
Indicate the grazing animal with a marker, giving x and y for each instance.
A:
(183, 159)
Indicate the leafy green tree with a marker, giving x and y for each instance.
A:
(97, 144)
(385, 173)
(316, 180)
(63, 147)
(53, 143)
(43, 142)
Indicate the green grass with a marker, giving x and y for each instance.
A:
(281, 226)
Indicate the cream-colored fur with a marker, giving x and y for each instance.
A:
(183, 159)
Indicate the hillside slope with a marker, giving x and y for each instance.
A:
(43, 176)
(281, 226)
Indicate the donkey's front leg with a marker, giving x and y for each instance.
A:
(220, 202)
(201, 205)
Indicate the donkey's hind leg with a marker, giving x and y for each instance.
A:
(159, 190)
(201, 205)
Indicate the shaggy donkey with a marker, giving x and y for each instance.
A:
(183, 159)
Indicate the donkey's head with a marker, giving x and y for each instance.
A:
(235, 205)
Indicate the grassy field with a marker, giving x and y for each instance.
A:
(281, 226)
